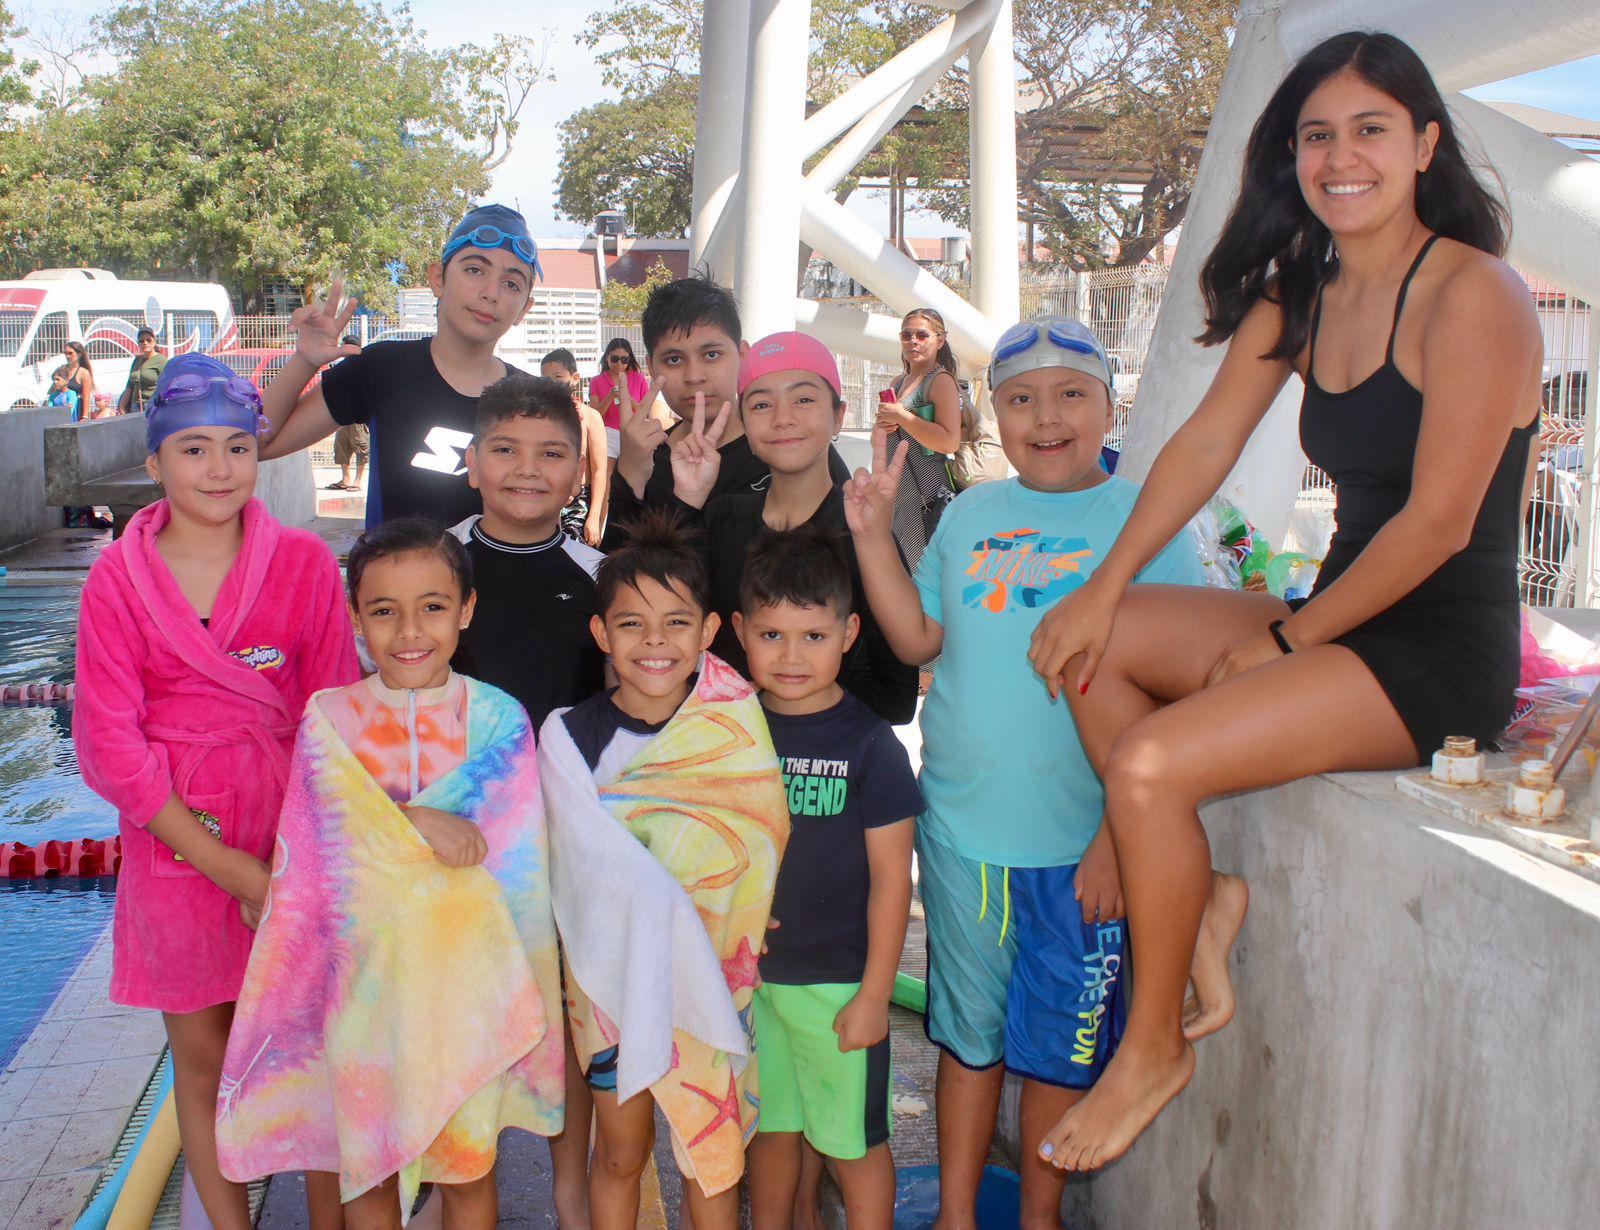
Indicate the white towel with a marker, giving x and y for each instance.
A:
(633, 939)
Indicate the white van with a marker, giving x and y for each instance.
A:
(51, 307)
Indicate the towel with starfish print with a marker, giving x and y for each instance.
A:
(397, 1014)
(662, 882)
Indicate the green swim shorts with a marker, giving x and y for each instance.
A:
(838, 1099)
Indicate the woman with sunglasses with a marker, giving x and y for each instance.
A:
(202, 632)
(619, 369)
(924, 410)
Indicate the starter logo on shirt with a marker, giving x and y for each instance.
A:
(259, 657)
(816, 787)
(1024, 569)
(447, 445)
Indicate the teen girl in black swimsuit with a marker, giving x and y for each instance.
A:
(1362, 254)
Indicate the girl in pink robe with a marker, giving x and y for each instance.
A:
(203, 630)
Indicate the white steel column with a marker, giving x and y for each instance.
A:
(775, 111)
(719, 115)
(992, 129)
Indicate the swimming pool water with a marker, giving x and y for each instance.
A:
(46, 926)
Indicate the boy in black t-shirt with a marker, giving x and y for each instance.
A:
(418, 397)
(843, 893)
(530, 630)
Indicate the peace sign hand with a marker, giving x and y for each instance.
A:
(869, 496)
(695, 459)
(639, 437)
(320, 325)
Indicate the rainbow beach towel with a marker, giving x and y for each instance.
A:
(662, 881)
(398, 1013)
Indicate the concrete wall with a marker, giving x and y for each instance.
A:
(286, 486)
(23, 512)
(1418, 1036)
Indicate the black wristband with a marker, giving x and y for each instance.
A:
(1275, 627)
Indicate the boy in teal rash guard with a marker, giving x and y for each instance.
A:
(1026, 947)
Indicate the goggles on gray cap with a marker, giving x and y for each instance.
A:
(1050, 341)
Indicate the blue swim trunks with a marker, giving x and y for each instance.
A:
(602, 1073)
(1014, 973)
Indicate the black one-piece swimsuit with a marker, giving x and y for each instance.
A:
(1448, 653)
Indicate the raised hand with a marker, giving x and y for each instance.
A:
(695, 459)
(869, 496)
(320, 325)
(639, 437)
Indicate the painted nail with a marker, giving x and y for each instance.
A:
(1047, 1149)
(1083, 689)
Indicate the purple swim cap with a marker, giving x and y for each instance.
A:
(196, 390)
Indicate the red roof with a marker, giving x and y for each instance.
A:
(568, 269)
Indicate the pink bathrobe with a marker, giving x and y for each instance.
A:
(165, 704)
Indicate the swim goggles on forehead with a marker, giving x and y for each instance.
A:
(191, 386)
(489, 236)
(1025, 336)
(1071, 346)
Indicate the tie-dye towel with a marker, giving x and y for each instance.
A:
(662, 882)
(397, 1013)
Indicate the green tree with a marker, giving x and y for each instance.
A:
(249, 140)
(627, 302)
(636, 154)
(14, 74)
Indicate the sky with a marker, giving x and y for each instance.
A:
(527, 178)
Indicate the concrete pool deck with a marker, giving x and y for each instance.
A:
(67, 1093)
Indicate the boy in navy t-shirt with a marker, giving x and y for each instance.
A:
(843, 893)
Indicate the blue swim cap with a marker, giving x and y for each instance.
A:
(493, 226)
(196, 390)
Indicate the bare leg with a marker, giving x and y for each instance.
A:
(807, 1210)
(471, 1206)
(199, 1040)
(569, 1152)
(624, 1134)
(322, 1200)
(1314, 711)
(1042, 1184)
(377, 1208)
(719, 1212)
(867, 1185)
(966, 1105)
(774, 1165)
(1211, 1006)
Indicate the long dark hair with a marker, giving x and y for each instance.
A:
(81, 353)
(605, 364)
(945, 357)
(1273, 245)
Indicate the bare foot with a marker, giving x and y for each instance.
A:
(808, 1218)
(1211, 1006)
(1130, 1093)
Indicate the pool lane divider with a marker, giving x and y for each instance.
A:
(153, 1121)
(85, 857)
(37, 693)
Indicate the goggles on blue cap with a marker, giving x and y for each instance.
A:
(1050, 342)
(207, 397)
(490, 236)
